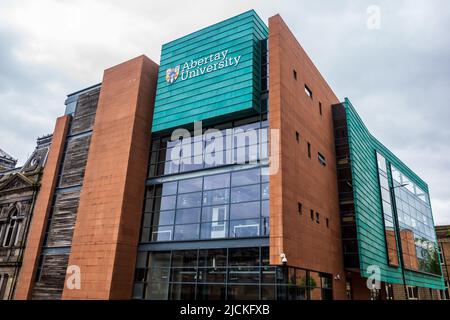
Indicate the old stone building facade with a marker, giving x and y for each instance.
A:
(443, 234)
(18, 191)
(6, 161)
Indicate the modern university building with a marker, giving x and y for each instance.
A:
(231, 171)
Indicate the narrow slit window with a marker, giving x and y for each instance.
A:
(322, 159)
(312, 214)
(327, 221)
(297, 136)
(309, 150)
(295, 74)
(308, 91)
(317, 217)
(300, 208)
(320, 108)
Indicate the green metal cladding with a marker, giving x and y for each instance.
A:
(369, 217)
(227, 76)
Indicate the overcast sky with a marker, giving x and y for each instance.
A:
(398, 76)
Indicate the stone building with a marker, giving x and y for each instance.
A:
(6, 161)
(443, 235)
(18, 190)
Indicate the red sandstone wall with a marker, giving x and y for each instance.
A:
(300, 179)
(42, 207)
(107, 229)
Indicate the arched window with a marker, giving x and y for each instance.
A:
(10, 229)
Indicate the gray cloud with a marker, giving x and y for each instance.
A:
(397, 77)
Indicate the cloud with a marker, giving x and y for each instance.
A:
(397, 77)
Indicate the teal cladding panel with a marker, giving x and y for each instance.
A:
(232, 84)
(369, 216)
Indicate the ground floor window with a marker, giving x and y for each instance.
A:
(348, 290)
(413, 293)
(225, 274)
(445, 294)
(389, 291)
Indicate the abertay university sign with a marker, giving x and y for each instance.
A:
(210, 74)
(194, 68)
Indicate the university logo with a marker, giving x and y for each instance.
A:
(172, 74)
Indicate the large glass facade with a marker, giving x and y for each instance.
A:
(224, 274)
(418, 237)
(234, 142)
(216, 206)
(415, 221)
(386, 200)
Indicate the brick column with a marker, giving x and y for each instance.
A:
(42, 208)
(106, 233)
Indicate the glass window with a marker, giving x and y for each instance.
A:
(157, 291)
(162, 233)
(384, 182)
(265, 227)
(244, 194)
(214, 230)
(212, 258)
(264, 175)
(385, 194)
(138, 290)
(208, 202)
(186, 216)
(141, 260)
(245, 210)
(243, 292)
(265, 209)
(217, 182)
(246, 257)
(191, 185)
(145, 234)
(191, 164)
(163, 218)
(159, 260)
(216, 213)
(147, 220)
(244, 228)
(189, 200)
(243, 274)
(209, 275)
(167, 203)
(381, 163)
(158, 275)
(419, 242)
(210, 292)
(185, 258)
(387, 208)
(213, 197)
(169, 188)
(246, 177)
(186, 232)
(265, 191)
(182, 291)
